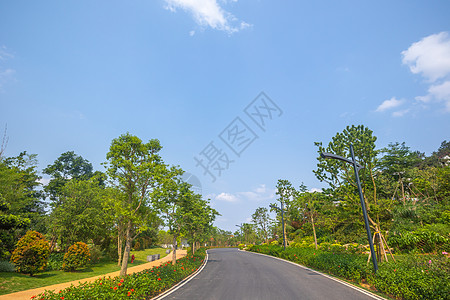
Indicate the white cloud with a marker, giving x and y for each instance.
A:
(313, 190)
(208, 13)
(400, 113)
(260, 193)
(441, 92)
(430, 56)
(227, 197)
(388, 104)
(6, 74)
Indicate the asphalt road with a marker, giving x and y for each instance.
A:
(233, 274)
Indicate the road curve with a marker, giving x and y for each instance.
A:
(233, 274)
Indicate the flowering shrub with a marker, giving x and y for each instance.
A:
(142, 285)
(241, 246)
(416, 277)
(76, 257)
(31, 253)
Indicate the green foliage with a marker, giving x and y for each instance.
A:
(426, 240)
(96, 253)
(421, 277)
(55, 261)
(31, 253)
(241, 246)
(66, 167)
(20, 202)
(84, 213)
(142, 285)
(134, 167)
(77, 256)
(6, 266)
(416, 277)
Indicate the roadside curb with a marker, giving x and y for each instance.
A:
(182, 282)
(368, 293)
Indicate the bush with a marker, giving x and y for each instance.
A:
(142, 285)
(77, 256)
(241, 246)
(415, 277)
(31, 253)
(96, 253)
(6, 266)
(55, 261)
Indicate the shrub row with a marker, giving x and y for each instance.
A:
(142, 285)
(415, 277)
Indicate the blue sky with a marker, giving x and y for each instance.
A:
(76, 74)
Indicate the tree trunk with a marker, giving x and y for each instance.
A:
(174, 252)
(314, 231)
(126, 254)
(119, 249)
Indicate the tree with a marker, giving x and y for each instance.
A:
(66, 167)
(168, 199)
(198, 217)
(7, 223)
(340, 176)
(83, 215)
(395, 164)
(285, 192)
(20, 198)
(309, 205)
(133, 167)
(262, 220)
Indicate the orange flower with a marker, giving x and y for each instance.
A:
(132, 290)
(115, 288)
(119, 284)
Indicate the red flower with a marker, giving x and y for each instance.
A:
(129, 294)
(121, 280)
(132, 290)
(159, 279)
(115, 288)
(62, 298)
(60, 292)
(119, 284)
(100, 283)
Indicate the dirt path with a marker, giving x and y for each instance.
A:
(27, 294)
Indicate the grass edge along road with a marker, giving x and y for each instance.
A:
(412, 278)
(353, 285)
(12, 282)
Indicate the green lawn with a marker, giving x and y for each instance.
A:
(15, 282)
